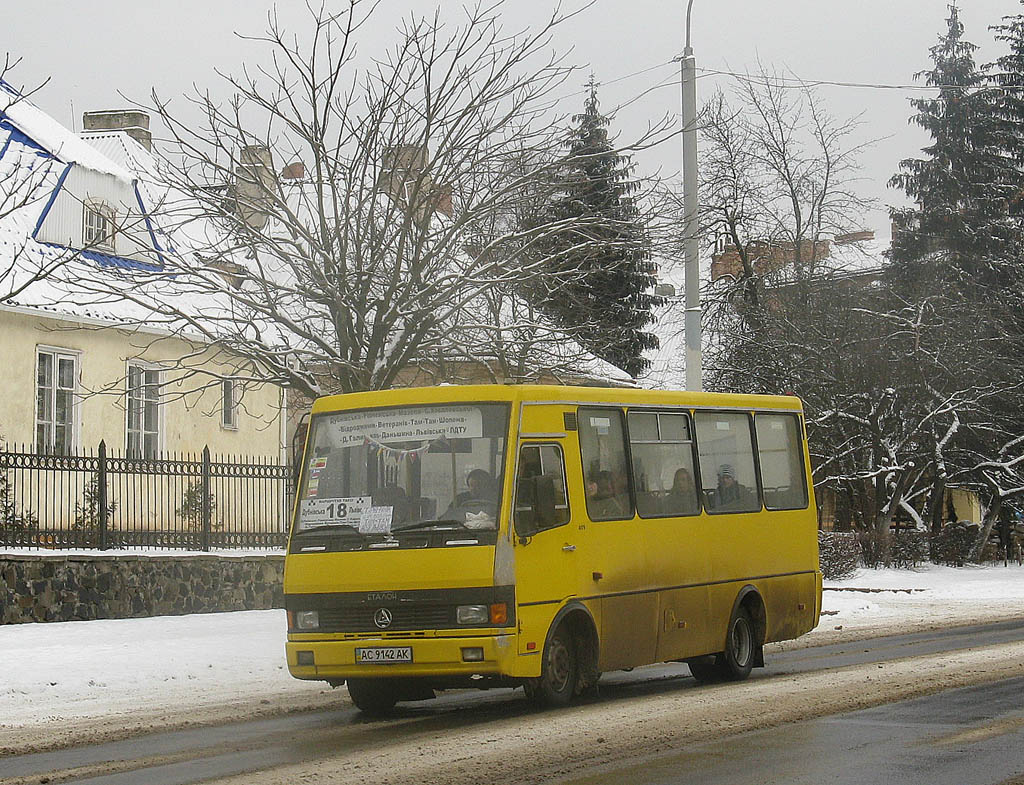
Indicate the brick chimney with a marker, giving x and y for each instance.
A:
(254, 184)
(296, 170)
(131, 121)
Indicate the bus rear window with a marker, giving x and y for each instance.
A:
(780, 454)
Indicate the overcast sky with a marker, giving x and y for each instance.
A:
(92, 50)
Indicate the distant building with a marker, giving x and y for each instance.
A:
(856, 255)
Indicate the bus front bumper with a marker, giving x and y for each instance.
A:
(490, 655)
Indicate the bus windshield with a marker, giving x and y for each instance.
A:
(374, 474)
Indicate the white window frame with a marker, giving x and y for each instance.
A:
(229, 413)
(58, 353)
(94, 236)
(144, 368)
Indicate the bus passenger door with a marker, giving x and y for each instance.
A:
(549, 551)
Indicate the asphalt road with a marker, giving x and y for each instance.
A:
(194, 756)
(967, 736)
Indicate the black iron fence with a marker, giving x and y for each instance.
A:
(104, 500)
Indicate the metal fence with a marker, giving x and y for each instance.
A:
(103, 500)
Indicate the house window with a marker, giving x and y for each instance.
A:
(229, 404)
(56, 375)
(98, 226)
(143, 411)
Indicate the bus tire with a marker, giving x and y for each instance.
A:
(741, 647)
(560, 671)
(705, 669)
(373, 697)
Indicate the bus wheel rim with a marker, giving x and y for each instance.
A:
(741, 642)
(559, 665)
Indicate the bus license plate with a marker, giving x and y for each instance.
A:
(385, 654)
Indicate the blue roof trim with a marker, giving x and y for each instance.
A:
(109, 260)
(7, 143)
(52, 199)
(19, 136)
(149, 223)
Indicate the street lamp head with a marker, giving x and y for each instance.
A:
(688, 50)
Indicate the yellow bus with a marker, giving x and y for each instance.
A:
(536, 536)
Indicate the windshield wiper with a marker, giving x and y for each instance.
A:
(343, 529)
(427, 525)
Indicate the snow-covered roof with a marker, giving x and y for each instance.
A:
(38, 157)
(53, 137)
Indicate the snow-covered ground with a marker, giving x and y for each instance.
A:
(180, 669)
(933, 596)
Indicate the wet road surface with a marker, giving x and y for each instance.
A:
(966, 736)
(192, 756)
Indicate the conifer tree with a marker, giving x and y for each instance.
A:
(959, 231)
(600, 273)
(956, 266)
(1008, 74)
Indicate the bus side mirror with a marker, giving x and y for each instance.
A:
(535, 508)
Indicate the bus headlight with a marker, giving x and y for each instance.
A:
(307, 620)
(472, 614)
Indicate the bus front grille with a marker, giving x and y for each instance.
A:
(361, 618)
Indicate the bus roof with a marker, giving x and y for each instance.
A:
(549, 393)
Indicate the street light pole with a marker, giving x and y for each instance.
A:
(691, 262)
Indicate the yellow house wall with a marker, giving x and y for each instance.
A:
(190, 420)
(966, 504)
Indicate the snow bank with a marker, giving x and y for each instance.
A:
(879, 601)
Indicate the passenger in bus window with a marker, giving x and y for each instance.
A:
(682, 496)
(601, 499)
(731, 495)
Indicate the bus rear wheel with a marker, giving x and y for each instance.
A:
(560, 671)
(374, 697)
(737, 660)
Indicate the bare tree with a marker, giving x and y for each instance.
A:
(777, 173)
(399, 244)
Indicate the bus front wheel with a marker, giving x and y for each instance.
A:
(373, 697)
(560, 671)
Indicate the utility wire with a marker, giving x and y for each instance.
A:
(798, 82)
(601, 83)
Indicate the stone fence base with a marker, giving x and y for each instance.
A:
(52, 587)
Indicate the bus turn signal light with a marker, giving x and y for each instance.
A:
(499, 613)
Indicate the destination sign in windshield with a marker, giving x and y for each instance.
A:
(423, 423)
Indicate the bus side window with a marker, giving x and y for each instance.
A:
(661, 448)
(726, 453)
(541, 501)
(781, 458)
(606, 475)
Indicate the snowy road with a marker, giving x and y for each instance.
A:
(97, 682)
(652, 709)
